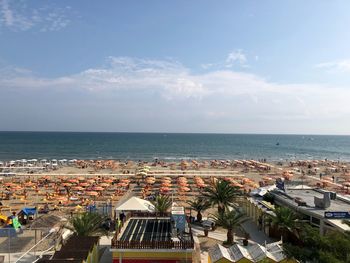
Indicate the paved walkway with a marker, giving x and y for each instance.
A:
(218, 235)
(105, 245)
(256, 235)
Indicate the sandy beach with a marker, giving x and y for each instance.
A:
(95, 182)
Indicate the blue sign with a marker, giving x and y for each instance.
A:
(180, 222)
(337, 215)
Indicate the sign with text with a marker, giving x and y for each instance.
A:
(337, 215)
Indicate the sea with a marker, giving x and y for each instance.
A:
(171, 146)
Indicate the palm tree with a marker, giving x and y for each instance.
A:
(222, 194)
(285, 220)
(87, 224)
(199, 205)
(162, 203)
(229, 220)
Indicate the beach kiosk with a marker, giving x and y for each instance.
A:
(26, 214)
(134, 204)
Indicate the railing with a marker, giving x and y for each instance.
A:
(148, 214)
(152, 244)
(52, 230)
(52, 249)
(135, 244)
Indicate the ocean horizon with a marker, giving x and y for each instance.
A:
(171, 146)
(160, 132)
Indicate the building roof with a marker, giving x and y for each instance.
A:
(276, 250)
(257, 252)
(80, 242)
(46, 221)
(136, 204)
(29, 210)
(238, 252)
(307, 195)
(253, 252)
(218, 252)
(147, 229)
(77, 249)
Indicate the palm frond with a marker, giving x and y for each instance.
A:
(162, 203)
(222, 194)
(284, 219)
(199, 204)
(87, 224)
(229, 219)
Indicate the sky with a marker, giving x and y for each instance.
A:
(232, 66)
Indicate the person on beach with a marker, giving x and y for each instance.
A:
(260, 221)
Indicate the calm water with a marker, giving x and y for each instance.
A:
(147, 146)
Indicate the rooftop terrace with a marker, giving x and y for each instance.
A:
(150, 233)
(307, 196)
(147, 230)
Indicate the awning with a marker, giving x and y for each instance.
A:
(29, 211)
(136, 204)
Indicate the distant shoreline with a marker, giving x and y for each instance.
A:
(177, 133)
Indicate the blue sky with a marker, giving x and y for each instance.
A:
(175, 66)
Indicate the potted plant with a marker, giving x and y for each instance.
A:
(206, 231)
(246, 239)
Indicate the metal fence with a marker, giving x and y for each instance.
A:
(13, 244)
(102, 209)
(134, 244)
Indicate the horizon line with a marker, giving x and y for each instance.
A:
(160, 132)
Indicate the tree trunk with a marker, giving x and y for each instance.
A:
(221, 209)
(199, 216)
(230, 236)
(245, 242)
(285, 235)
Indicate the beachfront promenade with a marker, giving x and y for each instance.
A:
(256, 235)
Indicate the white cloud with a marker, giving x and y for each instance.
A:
(6, 13)
(166, 87)
(236, 57)
(207, 65)
(19, 16)
(340, 66)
